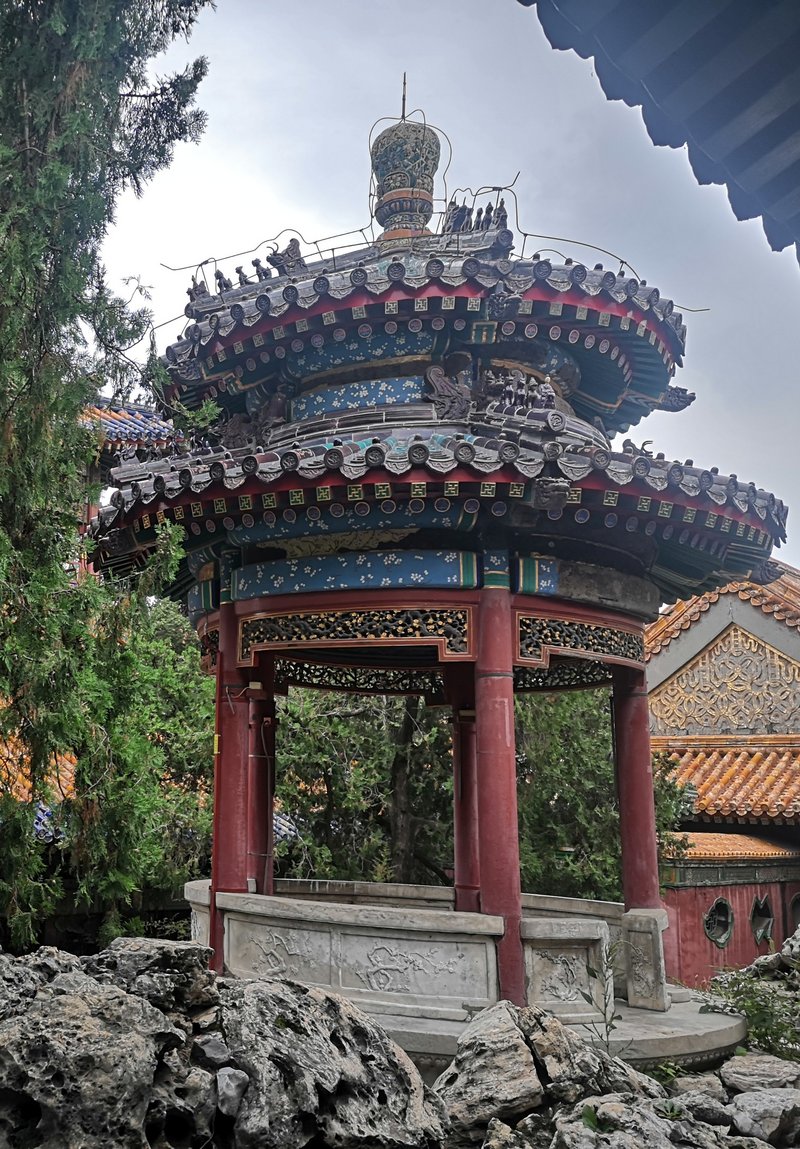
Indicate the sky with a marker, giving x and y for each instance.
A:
(293, 93)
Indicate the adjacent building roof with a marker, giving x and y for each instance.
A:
(129, 425)
(721, 78)
(739, 779)
(780, 599)
(735, 847)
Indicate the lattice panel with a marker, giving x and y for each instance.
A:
(539, 636)
(737, 684)
(359, 680)
(572, 674)
(448, 629)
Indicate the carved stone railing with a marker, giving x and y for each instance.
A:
(402, 949)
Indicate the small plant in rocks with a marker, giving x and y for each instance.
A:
(771, 1010)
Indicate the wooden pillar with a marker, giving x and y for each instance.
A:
(466, 847)
(229, 869)
(634, 765)
(261, 778)
(497, 784)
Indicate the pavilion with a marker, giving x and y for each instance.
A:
(412, 490)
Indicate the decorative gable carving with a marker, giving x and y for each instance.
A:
(738, 684)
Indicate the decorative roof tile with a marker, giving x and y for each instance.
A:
(739, 779)
(729, 847)
(780, 598)
(129, 425)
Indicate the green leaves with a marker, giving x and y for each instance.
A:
(80, 120)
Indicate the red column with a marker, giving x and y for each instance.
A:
(497, 784)
(466, 849)
(229, 843)
(637, 817)
(260, 777)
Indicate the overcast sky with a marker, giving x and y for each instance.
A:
(293, 91)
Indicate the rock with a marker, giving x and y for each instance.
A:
(48, 962)
(492, 1075)
(625, 1121)
(697, 1082)
(704, 1107)
(77, 1067)
(321, 1072)
(573, 1069)
(210, 1051)
(760, 1071)
(770, 1114)
(616, 1120)
(734, 1142)
(501, 1136)
(765, 964)
(170, 975)
(790, 950)
(19, 985)
(231, 1087)
(538, 1128)
(707, 1083)
(183, 1107)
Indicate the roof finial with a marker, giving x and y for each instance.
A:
(403, 108)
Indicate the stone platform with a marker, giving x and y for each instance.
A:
(644, 1038)
(423, 969)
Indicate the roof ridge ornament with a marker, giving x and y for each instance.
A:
(405, 157)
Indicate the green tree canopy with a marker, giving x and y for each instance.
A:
(81, 119)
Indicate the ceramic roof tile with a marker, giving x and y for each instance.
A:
(780, 598)
(721, 847)
(752, 782)
(129, 424)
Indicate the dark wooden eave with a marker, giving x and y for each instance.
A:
(719, 76)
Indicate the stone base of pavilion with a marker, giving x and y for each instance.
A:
(405, 956)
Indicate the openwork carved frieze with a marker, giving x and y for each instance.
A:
(359, 680)
(539, 636)
(571, 674)
(738, 683)
(209, 649)
(447, 629)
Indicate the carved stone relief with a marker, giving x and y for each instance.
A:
(392, 970)
(737, 684)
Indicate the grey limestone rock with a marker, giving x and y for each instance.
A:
(707, 1083)
(537, 1128)
(170, 975)
(77, 1066)
(573, 1069)
(704, 1107)
(759, 1071)
(210, 1051)
(18, 986)
(321, 1073)
(772, 1115)
(493, 1075)
(627, 1121)
(232, 1084)
(790, 950)
(502, 1136)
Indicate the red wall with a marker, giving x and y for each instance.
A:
(691, 957)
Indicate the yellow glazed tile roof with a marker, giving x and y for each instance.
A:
(724, 847)
(781, 599)
(755, 778)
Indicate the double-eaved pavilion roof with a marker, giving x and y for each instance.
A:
(720, 77)
(724, 671)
